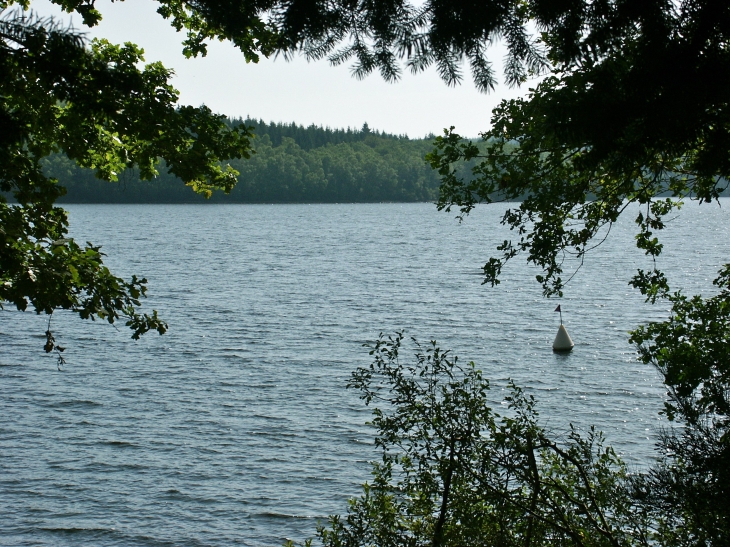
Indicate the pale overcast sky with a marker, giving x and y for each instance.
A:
(298, 91)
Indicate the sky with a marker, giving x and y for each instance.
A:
(296, 91)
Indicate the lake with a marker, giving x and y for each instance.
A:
(235, 427)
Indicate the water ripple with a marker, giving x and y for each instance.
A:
(236, 428)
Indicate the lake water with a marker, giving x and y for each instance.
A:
(235, 428)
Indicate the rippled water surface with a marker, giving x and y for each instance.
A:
(235, 428)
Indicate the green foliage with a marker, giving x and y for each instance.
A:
(634, 114)
(307, 165)
(567, 193)
(688, 491)
(454, 472)
(690, 350)
(97, 107)
(691, 484)
(633, 109)
(313, 136)
(371, 170)
(243, 24)
(377, 35)
(659, 40)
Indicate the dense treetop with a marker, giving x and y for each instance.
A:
(314, 136)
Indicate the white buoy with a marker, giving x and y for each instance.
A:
(562, 340)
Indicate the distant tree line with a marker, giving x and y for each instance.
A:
(292, 164)
(314, 136)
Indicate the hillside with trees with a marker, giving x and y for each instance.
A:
(291, 164)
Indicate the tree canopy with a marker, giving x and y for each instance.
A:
(95, 105)
(642, 119)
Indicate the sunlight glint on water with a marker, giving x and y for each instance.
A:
(235, 427)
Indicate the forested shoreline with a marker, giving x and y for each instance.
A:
(292, 164)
